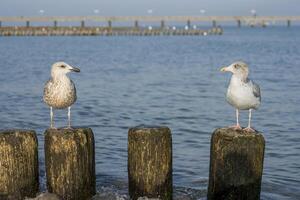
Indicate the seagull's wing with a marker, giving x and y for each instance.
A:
(47, 87)
(73, 91)
(256, 90)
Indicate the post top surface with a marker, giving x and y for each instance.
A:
(14, 131)
(230, 132)
(144, 127)
(68, 130)
(149, 131)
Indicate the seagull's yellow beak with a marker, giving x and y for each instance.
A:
(224, 69)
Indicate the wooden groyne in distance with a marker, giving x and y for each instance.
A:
(70, 163)
(28, 27)
(104, 31)
(19, 171)
(150, 163)
(252, 20)
(236, 165)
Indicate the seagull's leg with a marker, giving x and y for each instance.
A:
(248, 128)
(237, 126)
(249, 122)
(237, 117)
(69, 117)
(51, 118)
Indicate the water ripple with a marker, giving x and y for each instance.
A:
(173, 81)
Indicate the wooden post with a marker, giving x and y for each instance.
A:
(19, 173)
(27, 24)
(214, 23)
(136, 24)
(239, 23)
(70, 163)
(109, 24)
(150, 162)
(188, 23)
(289, 23)
(0, 23)
(162, 24)
(82, 24)
(236, 165)
(55, 24)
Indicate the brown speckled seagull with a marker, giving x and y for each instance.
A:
(60, 91)
(242, 93)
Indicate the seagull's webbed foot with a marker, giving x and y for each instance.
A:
(236, 127)
(249, 129)
(52, 127)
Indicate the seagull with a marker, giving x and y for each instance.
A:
(60, 91)
(242, 93)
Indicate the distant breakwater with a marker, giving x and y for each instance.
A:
(104, 31)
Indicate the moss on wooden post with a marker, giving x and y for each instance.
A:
(70, 163)
(236, 165)
(150, 162)
(19, 174)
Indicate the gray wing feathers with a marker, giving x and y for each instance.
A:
(74, 90)
(256, 91)
(46, 89)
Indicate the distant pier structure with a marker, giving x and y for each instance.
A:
(187, 24)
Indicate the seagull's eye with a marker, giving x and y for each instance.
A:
(63, 66)
(236, 66)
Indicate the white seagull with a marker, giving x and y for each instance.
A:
(60, 91)
(242, 93)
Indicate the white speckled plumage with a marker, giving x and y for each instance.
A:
(242, 93)
(60, 91)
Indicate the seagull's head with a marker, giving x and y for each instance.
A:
(62, 68)
(239, 69)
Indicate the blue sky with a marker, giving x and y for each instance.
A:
(140, 7)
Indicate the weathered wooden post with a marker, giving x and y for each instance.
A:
(19, 173)
(162, 24)
(136, 24)
(109, 24)
(27, 24)
(289, 23)
(55, 24)
(82, 24)
(188, 23)
(239, 23)
(109, 27)
(70, 163)
(236, 165)
(214, 23)
(150, 162)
